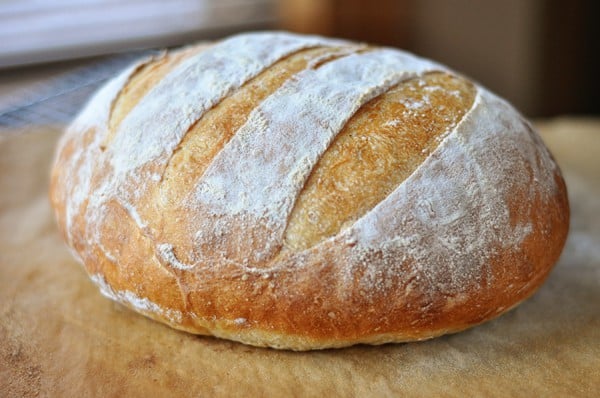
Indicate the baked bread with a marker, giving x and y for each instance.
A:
(300, 192)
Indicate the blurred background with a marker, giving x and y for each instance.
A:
(542, 55)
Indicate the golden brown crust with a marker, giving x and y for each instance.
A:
(380, 146)
(142, 82)
(208, 136)
(345, 282)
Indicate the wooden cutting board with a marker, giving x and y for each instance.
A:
(60, 337)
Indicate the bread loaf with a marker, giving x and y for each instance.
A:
(301, 192)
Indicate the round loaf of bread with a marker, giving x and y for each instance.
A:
(301, 192)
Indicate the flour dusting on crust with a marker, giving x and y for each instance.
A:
(261, 171)
(449, 227)
(156, 125)
(141, 304)
(94, 118)
(154, 128)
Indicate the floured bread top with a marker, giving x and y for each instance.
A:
(256, 152)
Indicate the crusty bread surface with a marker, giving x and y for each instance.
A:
(300, 192)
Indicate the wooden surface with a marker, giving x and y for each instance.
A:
(60, 337)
